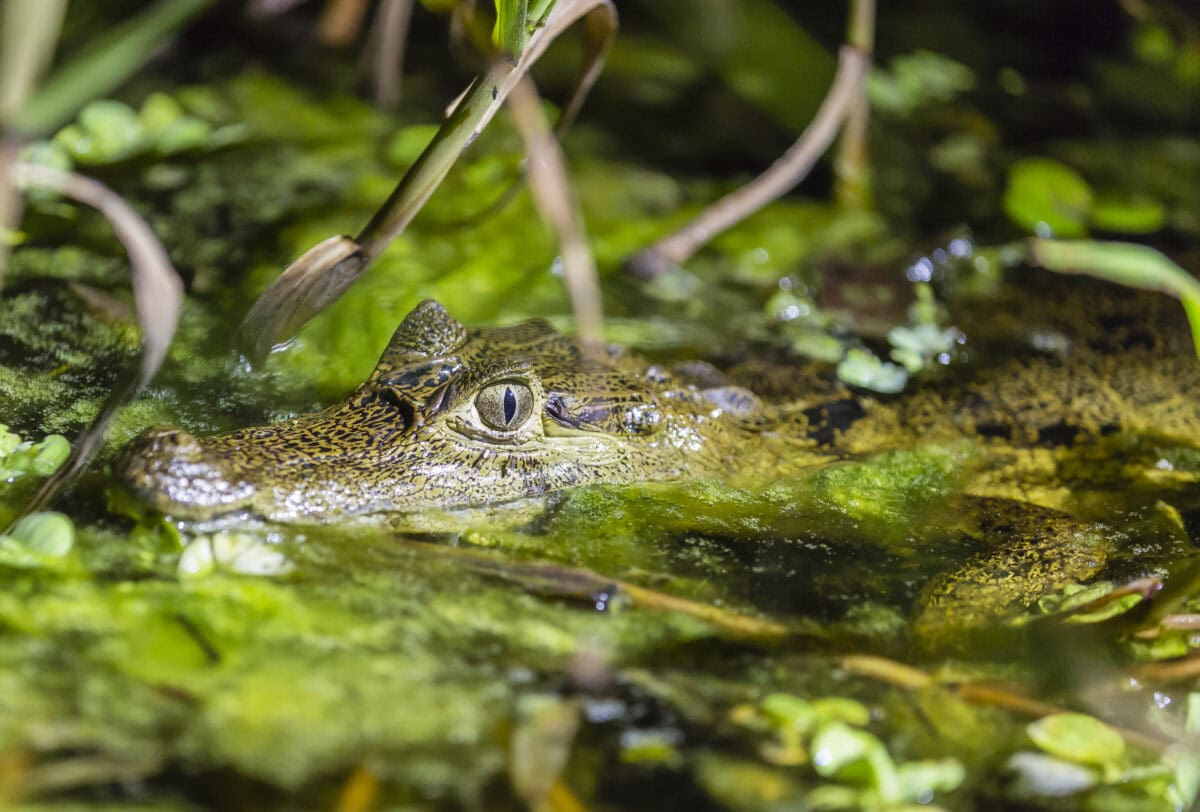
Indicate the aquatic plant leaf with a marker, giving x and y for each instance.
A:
(920, 779)
(1185, 784)
(50, 534)
(1133, 215)
(1135, 266)
(1037, 774)
(861, 368)
(8, 441)
(916, 347)
(749, 785)
(1047, 198)
(110, 130)
(512, 29)
(786, 710)
(916, 80)
(30, 30)
(1077, 737)
(841, 709)
(856, 756)
(20, 457)
(314, 280)
(1192, 719)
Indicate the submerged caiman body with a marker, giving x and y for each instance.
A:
(455, 417)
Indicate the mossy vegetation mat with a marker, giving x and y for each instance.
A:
(986, 595)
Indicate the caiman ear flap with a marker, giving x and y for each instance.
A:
(429, 331)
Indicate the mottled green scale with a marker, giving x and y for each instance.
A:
(453, 417)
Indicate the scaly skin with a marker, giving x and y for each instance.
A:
(411, 436)
(416, 436)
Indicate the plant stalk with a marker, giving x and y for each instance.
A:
(852, 165)
(781, 177)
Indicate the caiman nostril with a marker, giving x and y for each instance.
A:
(179, 475)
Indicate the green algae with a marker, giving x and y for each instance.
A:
(371, 650)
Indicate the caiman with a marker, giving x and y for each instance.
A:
(461, 418)
(456, 417)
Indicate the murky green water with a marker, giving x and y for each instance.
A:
(899, 622)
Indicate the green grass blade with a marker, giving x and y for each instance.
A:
(512, 27)
(103, 66)
(1129, 264)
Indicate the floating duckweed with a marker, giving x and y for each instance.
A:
(233, 552)
(650, 747)
(51, 534)
(41, 541)
(1047, 198)
(20, 457)
(856, 756)
(922, 345)
(108, 131)
(1077, 737)
(861, 368)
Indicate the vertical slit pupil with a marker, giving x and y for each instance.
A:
(510, 405)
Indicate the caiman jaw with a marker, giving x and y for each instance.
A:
(177, 475)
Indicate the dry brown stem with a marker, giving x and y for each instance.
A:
(781, 177)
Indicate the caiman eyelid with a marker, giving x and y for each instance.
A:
(556, 410)
(446, 369)
(438, 400)
(407, 411)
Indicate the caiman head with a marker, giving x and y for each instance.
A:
(451, 417)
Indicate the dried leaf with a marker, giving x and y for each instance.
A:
(288, 304)
(157, 295)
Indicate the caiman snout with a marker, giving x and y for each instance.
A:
(179, 475)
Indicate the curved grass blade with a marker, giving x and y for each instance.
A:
(299, 294)
(107, 62)
(30, 36)
(548, 181)
(157, 294)
(783, 175)
(1128, 264)
(389, 39)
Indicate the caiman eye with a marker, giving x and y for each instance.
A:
(504, 406)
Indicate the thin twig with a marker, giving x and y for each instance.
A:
(852, 165)
(781, 177)
(551, 189)
(157, 295)
(901, 675)
(584, 584)
(390, 35)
